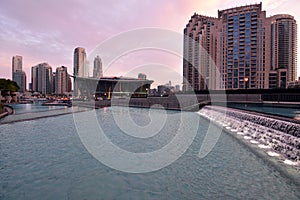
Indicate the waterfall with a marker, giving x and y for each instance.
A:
(277, 138)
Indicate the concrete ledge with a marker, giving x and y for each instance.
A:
(4, 114)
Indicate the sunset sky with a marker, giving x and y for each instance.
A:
(48, 31)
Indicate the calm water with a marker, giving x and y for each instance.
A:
(286, 112)
(45, 159)
(29, 108)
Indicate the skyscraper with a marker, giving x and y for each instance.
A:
(61, 80)
(80, 67)
(142, 76)
(69, 83)
(17, 74)
(197, 60)
(242, 48)
(284, 50)
(41, 78)
(20, 79)
(54, 82)
(97, 72)
(16, 64)
(246, 45)
(80, 63)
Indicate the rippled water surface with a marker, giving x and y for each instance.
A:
(30, 108)
(285, 112)
(45, 159)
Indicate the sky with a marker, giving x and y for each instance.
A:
(49, 31)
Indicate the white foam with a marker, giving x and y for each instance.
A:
(247, 137)
(289, 162)
(271, 153)
(262, 146)
(254, 142)
(240, 133)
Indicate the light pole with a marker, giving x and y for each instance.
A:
(246, 79)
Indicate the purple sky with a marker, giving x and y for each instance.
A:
(48, 31)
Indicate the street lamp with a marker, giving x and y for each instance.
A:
(246, 79)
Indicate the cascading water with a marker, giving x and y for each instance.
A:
(276, 137)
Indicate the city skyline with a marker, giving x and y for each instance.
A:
(48, 38)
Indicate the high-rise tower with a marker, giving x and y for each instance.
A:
(80, 63)
(17, 74)
(97, 71)
(246, 35)
(240, 49)
(284, 50)
(61, 80)
(20, 79)
(16, 64)
(197, 47)
(80, 67)
(41, 78)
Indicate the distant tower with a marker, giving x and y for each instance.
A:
(20, 79)
(284, 49)
(61, 83)
(41, 78)
(97, 72)
(53, 82)
(17, 74)
(80, 63)
(16, 64)
(69, 84)
(142, 76)
(196, 62)
(80, 67)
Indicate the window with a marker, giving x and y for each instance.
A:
(236, 34)
(247, 32)
(236, 18)
(247, 40)
(248, 16)
(247, 24)
(247, 71)
(236, 56)
(247, 49)
(235, 73)
(235, 83)
(235, 64)
(236, 49)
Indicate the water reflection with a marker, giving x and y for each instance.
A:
(285, 112)
(29, 108)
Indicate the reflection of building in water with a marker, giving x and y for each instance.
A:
(107, 87)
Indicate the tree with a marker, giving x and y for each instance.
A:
(7, 85)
